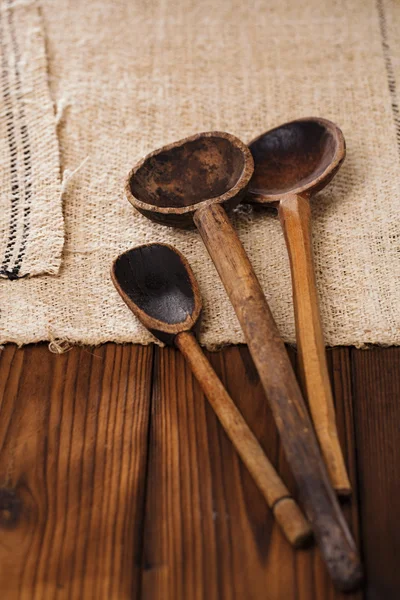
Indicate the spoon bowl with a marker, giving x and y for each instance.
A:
(158, 285)
(171, 184)
(299, 157)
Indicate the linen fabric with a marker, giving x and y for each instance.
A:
(127, 77)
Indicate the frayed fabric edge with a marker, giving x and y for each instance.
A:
(57, 345)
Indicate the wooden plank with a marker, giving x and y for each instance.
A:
(73, 456)
(339, 364)
(177, 537)
(73, 433)
(208, 533)
(376, 389)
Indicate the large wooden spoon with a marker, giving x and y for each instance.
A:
(193, 181)
(292, 162)
(158, 285)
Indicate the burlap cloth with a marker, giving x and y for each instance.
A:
(31, 222)
(129, 76)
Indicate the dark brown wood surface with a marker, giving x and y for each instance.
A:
(117, 481)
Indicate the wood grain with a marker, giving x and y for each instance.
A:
(208, 532)
(73, 455)
(77, 519)
(316, 580)
(376, 393)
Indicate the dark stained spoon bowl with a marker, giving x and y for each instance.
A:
(158, 285)
(300, 157)
(170, 184)
(292, 162)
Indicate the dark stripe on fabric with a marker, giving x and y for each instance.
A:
(16, 191)
(12, 144)
(26, 150)
(389, 68)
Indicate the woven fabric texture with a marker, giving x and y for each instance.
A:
(129, 76)
(31, 221)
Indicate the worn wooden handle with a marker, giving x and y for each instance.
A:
(294, 213)
(285, 510)
(283, 392)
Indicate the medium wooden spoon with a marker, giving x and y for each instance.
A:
(158, 285)
(194, 180)
(292, 162)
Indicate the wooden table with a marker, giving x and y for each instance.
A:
(118, 482)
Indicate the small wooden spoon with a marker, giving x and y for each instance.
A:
(292, 162)
(194, 180)
(158, 285)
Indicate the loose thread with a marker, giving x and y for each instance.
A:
(68, 175)
(62, 106)
(57, 345)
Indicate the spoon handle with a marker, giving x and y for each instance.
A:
(282, 390)
(278, 497)
(294, 214)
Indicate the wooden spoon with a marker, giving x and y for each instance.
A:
(292, 162)
(158, 285)
(194, 180)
